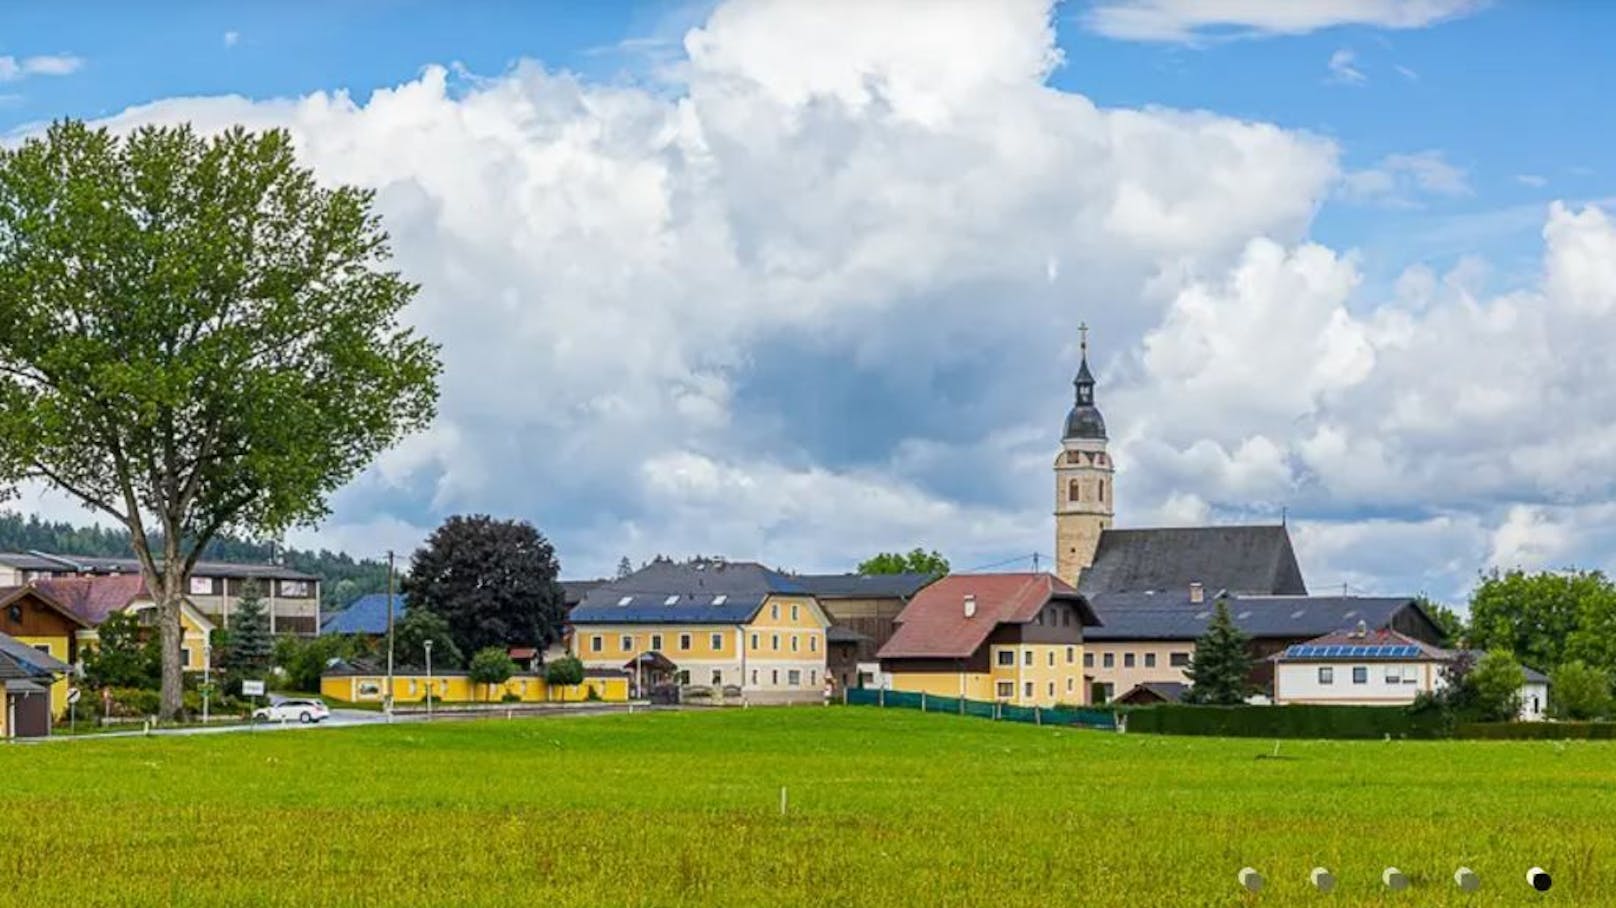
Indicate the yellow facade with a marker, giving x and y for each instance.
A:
(1021, 674)
(56, 645)
(194, 632)
(459, 688)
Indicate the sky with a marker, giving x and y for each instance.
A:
(801, 282)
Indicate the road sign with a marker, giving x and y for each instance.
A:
(252, 688)
(73, 695)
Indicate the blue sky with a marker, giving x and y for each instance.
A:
(885, 220)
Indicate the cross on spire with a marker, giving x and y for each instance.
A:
(1083, 334)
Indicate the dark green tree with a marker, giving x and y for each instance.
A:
(1496, 682)
(491, 665)
(123, 655)
(251, 647)
(493, 580)
(624, 567)
(302, 660)
(1579, 691)
(413, 631)
(917, 560)
(196, 338)
(1220, 669)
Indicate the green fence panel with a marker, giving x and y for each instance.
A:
(1063, 716)
(980, 709)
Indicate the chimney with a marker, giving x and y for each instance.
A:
(1363, 629)
(970, 605)
(1197, 592)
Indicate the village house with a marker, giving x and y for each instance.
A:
(1016, 638)
(28, 676)
(291, 598)
(707, 623)
(37, 620)
(863, 610)
(94, 599)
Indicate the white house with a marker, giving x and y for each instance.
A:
(1382, 667)
(1358, 668)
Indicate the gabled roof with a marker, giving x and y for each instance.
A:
(1171, 616)
(1155, 691)
(1377, 644)
(574, 591)
(19, 660)
(92, 599)
(365, 615)
(865, 586)
(1533, 676)
(690, 592)
(1236, 559)
(933, 625)
(10, 594)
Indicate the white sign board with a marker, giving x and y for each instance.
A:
(252, 688)
(73, 695)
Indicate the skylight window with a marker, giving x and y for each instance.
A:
(1297, 613)
(671, 600)
(720, 599)
(625, 600)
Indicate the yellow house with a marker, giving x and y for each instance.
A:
(94, 599)
(359, 682)
(724, 626)
(1014, 638)
(37, 619)
(27, 673)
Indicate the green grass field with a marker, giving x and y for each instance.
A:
(885, 808)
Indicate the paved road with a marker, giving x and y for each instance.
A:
(347, 718)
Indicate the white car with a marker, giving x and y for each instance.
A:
(304, 711)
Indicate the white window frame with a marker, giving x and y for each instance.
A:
(1326, 674)
(1006, 690)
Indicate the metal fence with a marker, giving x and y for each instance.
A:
(1004, 712)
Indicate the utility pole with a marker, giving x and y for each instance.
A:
(389, 635)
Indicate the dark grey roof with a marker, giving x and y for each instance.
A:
(1236, 559)
(1161, 616)
(32, 662)
(1533, 676)
(840, 634)
(865, 586)
(84, 564)
(1170, 691)
(574, 591)
(688, 592)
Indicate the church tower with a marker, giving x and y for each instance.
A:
(1083, 491)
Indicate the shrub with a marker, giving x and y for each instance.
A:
(1496, 681)
(590, 693)
(1296, 721)
(1537, 731)
(134, 702)
(510, 697)
(564, 672)
(1579, 691)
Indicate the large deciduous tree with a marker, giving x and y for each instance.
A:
(410, 637)
(196, 338)
(494, 581)
(1546, 618)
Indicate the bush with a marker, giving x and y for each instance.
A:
(510, 698)
(134, 702)
(1496, 681)
(564, 672)
(1297, 721)
(1579, 691)
(590, 693)
(1537, 731)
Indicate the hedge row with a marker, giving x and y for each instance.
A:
(1537, 731)
(1296, 721)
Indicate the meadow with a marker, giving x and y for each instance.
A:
(884, 808)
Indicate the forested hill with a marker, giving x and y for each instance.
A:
(343, 578)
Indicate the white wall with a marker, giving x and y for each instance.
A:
(1298, 682)
(1534, 701)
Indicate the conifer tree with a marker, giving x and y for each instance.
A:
(251, 645)
(1219, 669)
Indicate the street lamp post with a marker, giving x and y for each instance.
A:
(207, 679)
(428, 646)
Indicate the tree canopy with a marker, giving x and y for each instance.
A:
(419, 625)
(1220, 669)
(120, 657)
(491, 665)
(1546, 618)
(195, 338)
(494, 581)
(918, 560)
(1496, 682)
(1579, 691)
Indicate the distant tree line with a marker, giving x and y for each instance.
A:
(343, 578)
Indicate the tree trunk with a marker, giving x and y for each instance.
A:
(172, 636)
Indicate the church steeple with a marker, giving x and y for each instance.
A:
(1083, 471)
(1084, 420)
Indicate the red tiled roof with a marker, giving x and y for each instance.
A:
(10, 593)
(522, 652)
(933, 625)
(94, 598)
